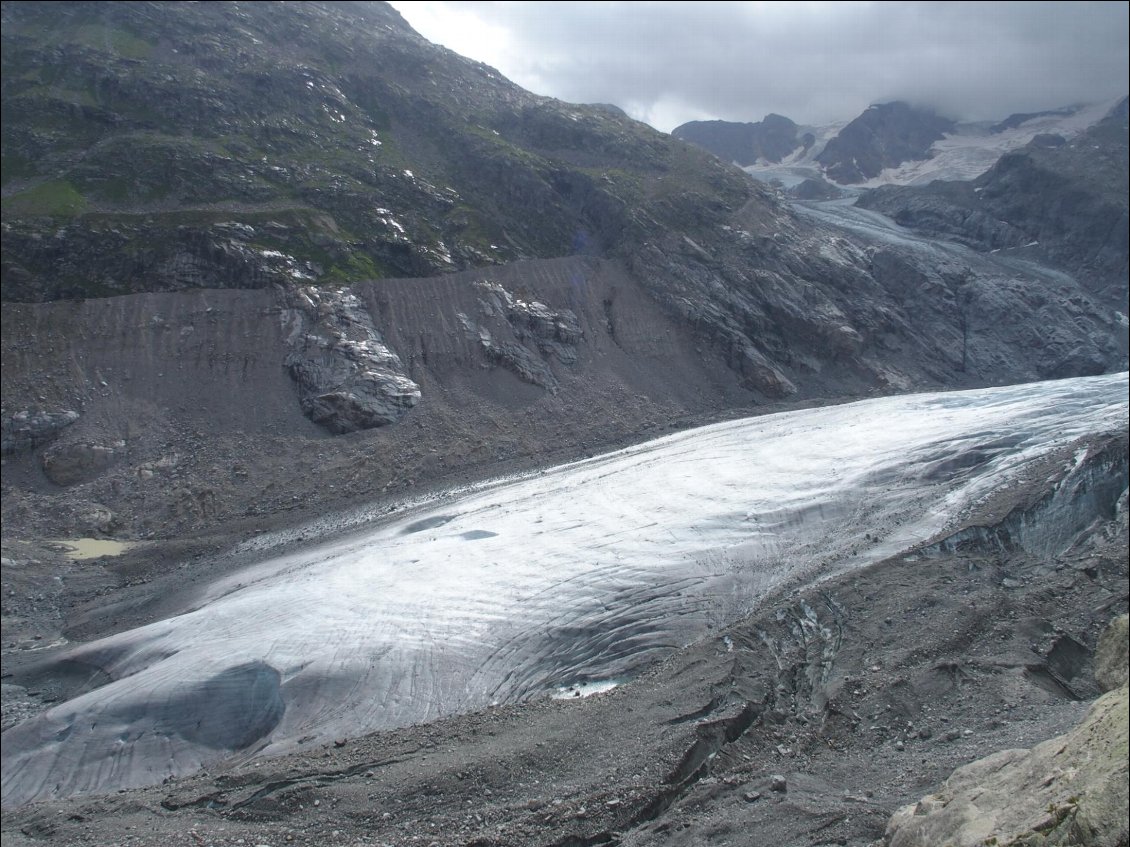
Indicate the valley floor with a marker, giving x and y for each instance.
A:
(809, 722)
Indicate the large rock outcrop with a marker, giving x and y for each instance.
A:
(348, 378)
(1070, 790)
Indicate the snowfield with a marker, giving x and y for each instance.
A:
(578, 576)
(964, 154)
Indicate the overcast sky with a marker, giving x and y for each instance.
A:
(671, 62)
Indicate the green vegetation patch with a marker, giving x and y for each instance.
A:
(358, 266)
(111, 40)
(56, 199)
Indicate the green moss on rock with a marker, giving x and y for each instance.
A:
(55, 199)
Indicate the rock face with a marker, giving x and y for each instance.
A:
(1071, 790)
(348, 378)
(552, 333)
(771, 139)
(30, 428)
(1111, 655)
(1064, 203)
(884, 136)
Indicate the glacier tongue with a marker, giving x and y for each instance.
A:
(577, 575)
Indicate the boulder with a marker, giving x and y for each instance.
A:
(1071, 790)
(27, 429)
(1111, 655)
(69, 464)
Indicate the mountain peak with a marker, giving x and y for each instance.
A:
(770, 139)
(885, 135)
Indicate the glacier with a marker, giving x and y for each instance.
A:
(963, 154)
(570, 579)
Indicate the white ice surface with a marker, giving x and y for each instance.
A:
(972, 150)
(581, 574)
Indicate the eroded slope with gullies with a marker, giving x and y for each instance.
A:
(164, 412)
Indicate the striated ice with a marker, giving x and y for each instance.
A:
(563, 581)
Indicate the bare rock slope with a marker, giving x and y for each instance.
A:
(1072, 789)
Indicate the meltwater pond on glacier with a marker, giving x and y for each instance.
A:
(582, 574)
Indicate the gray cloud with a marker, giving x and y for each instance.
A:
(668, 62)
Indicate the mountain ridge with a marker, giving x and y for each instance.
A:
(966, 151)
(885, 135)
(770, 139)
(328, 177)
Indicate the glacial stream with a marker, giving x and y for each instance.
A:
(580, 575)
